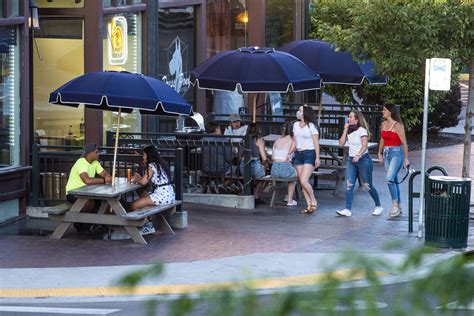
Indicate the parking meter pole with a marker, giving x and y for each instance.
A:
(423, 149)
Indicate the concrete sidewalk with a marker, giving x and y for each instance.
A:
(275, 247)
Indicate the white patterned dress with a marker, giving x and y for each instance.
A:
(161, 195)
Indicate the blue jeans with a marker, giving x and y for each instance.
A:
(283, 170)
(393, 157)
(364, 168)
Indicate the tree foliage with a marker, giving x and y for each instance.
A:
(399, 35)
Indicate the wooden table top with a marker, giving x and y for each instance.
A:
(121, 186)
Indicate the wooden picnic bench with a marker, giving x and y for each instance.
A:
(109, 196)
(277, 185)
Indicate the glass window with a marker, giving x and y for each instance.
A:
(176, 33)
(122, 51)
(227, 23)
(278, 22)
(58, 56)
(60, 3)
(14, 8)
(9, 97)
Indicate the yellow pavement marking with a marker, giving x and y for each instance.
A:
(267, 283)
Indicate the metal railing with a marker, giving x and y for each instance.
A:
(207, 158)
(51, 166)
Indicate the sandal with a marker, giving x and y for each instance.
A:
(310, 209)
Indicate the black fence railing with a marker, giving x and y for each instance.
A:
(329, 127)
(51, 166)
(209, 160)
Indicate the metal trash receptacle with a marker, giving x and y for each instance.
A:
(447, 211)
(53, 185)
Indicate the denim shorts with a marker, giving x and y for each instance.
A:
(257, 169)
(283, 170)
(305, 157)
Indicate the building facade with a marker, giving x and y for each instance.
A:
(45, 43)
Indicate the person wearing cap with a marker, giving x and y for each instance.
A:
(235, 128)
(85, 171)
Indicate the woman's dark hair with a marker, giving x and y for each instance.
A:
(211, 127)
(153, 156)
(287, 129)
(394, 112)
(253, 131)
(309, 116)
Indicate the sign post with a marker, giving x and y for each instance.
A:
(437, 77)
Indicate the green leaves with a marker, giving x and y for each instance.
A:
(398, 35)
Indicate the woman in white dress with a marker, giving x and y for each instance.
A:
(158, 174)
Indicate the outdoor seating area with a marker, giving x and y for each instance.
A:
(52, 167)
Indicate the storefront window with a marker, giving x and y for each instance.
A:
(122, 52)
(227, 25)
(14, 8)
(9, 98)
(58, 56)
(60, 3)
(278, 22)
(118, 3)
(176, 33)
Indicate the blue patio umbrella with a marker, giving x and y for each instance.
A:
(121, 91)
(334, 67)
(125, 91)
(255, 70)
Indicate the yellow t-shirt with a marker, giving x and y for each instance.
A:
(81, 166)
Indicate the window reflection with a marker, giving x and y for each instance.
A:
(227, 25)
(9, 98)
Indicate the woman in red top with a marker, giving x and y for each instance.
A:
(393, 144)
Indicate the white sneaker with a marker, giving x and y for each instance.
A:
(377, 211)
(292, 203)
(394, 212)
(344, 212)
(285, 198)
(147, 229)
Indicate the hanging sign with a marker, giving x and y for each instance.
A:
(440, 74)
(117, 45)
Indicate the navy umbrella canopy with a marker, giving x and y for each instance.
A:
(334, 67)
(255, 70)
(111, 90)
(121, 91)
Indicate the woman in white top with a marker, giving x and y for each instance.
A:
(281, 167)
(306, 142)
(356, 134)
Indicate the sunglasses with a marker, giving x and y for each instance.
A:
(409, 171)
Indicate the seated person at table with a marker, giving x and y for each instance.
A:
(235, 128)
(85, 172)
(258, 156)
(281, 157)
(158, 175)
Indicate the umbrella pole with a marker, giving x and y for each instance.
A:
(320, 104)
(117, 131)
(254, 114)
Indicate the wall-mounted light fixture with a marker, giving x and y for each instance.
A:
(34, 17)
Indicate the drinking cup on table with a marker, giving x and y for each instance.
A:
(129, 175)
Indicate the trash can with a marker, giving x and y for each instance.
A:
(53, 185)
(447, 211)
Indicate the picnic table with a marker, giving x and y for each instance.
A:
(328, 146)
(109, 196)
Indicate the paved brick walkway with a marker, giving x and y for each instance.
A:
(216, 232)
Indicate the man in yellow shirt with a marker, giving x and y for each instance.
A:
(85, 171)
